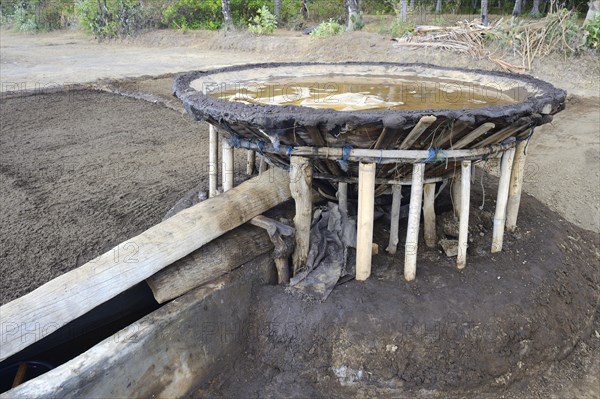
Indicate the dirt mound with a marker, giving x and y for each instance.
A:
(502, 318)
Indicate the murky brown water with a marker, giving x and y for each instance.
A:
(351, 93)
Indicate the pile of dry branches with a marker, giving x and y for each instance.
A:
(526, 40)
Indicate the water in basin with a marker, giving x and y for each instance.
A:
(355, 93)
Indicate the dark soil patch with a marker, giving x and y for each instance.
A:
(83, 171)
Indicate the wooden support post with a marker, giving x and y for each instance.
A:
(429, 215)
(364, 224)
(262, 165)
(500, 214)
(395, 218)
(342, 196)
(301, 188)
(516, 186)
(213, 160)
(465, 199)
(414, 219)
(227, 166)
(75, 293)
(281, 236)
(456, 193)
(250, 162)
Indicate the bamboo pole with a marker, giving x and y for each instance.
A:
(342, 195)
(465, 199)
(500, 214)
(456, 192)
(516, 186)
(250, 162)
(429, 215)
(301, 188)
(379, 156)
(213, 160)
(227, 166)
(395, 218)
(364, 225)
(414, 219)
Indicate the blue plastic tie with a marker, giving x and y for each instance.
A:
(289, 150)
(346, 152)
(260, 146)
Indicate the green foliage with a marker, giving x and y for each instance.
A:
(263, 23)
(399, 28)
(593, 29)
(329, 28)
(324, 10)
(114, 18)
(193, 14)
(36, 15)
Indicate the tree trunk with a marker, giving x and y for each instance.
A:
(277, 8)
(438, 7)
(412, 4)
(474, 6)
(353, 14)
(517, 9)
(593, 10)
(227, 14)
(484, 12)
(403, 10)
(535, 10)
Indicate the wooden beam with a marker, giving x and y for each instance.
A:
(395, 218)
(76, 292)
(250, 162)
(456, 193)
(364, 224)
(474, 135)
(516, 186)
(465, 199)
(227, 166)
(213, 160)
(213, 260)
(416, 131)
(429, 232)
(301, 188)
(414, 219)
(342, 196)
(500, 214)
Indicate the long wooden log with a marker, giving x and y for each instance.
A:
(29, 318)
(250, 162)
(213, 260)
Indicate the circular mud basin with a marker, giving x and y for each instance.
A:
(381, 106)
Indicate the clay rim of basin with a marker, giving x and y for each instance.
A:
(544, 96)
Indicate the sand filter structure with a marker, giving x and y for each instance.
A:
(378, 126)
(347, 135)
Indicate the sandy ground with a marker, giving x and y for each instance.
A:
(563, 169)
